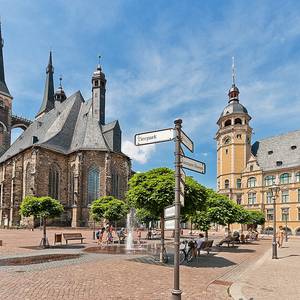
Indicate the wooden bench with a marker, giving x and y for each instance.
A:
(73, 236)
(206, 246)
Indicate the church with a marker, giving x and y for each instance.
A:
(246, 171)
(67, 152)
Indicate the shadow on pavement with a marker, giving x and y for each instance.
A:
(72, 246)
(291, 255)
(204, 261)
(232, 250)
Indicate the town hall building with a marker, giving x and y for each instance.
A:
(67, 152)
(246, 171)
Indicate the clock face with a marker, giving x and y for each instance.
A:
(227, 140)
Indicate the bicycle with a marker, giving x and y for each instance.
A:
(186, 251)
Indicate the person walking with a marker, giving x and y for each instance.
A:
(280, 236)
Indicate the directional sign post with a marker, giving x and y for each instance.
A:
(172, 213)
(193, 164)
(186, 141)
(153, 137)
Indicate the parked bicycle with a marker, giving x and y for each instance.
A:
(186, 252)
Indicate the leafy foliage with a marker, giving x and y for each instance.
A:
(255, 217)
(144, 216)
(41, 207)
(108, 207)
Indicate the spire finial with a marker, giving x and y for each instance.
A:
(233, 71)
(99, 65)
(60, 80)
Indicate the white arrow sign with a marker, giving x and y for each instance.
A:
(170, 224)
(152, 137)
(186, 141)
(170, 212)
(192, 164)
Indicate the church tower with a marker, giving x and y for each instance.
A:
(5, 105)
(233, 144)
(98, 91)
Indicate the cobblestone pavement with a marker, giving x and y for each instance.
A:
(271, 278)
(98, 276)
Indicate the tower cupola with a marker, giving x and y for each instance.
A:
(234, 91)
(60, 93)
(98, 91)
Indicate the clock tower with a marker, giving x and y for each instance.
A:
(233, 144)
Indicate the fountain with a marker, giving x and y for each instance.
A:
(129, 226)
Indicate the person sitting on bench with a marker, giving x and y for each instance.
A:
(228, 239)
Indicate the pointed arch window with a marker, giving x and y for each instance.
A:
(93, 184)
(28, 176)
(54, 182)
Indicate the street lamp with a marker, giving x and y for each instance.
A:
(274, 189)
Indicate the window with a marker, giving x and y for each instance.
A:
(285, 214)
(251, 168)
(270, 152)
(285, 178)
(285, 196)
(238, 183)
(54, 182)
(1, 103)
(269, 198)
(227, 123)
(251, 198)
(71, 188)
(278, 163)
(270, 214)
(226, 151)
(115, 185)
(1, 128)
(226, 140)
(298, 195)
(93, 184)
(239, 136)
(269, 180)
(251, 182)
(237, 121)
(239, 199)
(298, 214)
(226, 184)
(298, 177)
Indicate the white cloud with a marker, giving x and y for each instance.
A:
(140, 154)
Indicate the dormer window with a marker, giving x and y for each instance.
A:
(270, 152)
(278, 163)
(293, 147)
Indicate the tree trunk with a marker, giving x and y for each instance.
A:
(206, 234)
(162, 238)
(191, 227)
(45, 243)
(228, 227)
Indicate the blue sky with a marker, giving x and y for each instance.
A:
(163, 60)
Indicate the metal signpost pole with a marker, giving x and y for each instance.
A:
(274, 242)
(176, 292)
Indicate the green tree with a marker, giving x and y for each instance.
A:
(223, 211)
(202, 221)
(110, 208)
(255, 218)
(41, 207)
(144, 216)
(154, 190)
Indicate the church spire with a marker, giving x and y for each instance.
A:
(48, 100)
(3, 86)
(234, 91)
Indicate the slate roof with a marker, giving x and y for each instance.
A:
(68, 127)
(282, 148)
(234, 107)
